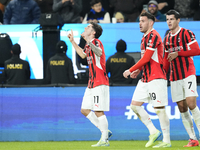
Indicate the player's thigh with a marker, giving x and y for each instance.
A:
(190, 86)
(158, 92)
(141, 92)
(177, 90)
(101, 98)
(87, 101)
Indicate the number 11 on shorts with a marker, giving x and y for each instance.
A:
(96, 99)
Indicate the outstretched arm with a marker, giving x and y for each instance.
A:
(76, 47)
(145, 59)
(135, 73)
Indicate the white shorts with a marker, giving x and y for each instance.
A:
(97, 98)
(153, 92)
(181, 89)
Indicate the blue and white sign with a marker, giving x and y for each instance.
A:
(32, 46)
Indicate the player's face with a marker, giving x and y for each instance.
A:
(88, 31)
(144, 24)
(172, 22)
(97, 7)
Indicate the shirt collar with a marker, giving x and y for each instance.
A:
(149, 32)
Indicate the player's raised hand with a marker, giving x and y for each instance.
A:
(126, 73)
(71, 36)
(134, 74)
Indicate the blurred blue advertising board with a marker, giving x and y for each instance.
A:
(53, 114)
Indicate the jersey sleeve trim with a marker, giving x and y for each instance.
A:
(192, 42)
(146, 58)
(194, 50)
(149, 48)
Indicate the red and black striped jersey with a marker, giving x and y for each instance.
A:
(154, 68)
(97, 69)
(180, 67)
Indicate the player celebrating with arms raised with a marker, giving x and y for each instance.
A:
(152, 88)
(180, 44)
(97, 96)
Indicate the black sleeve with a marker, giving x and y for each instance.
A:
(132, 62)
(71, 73)
(28, 71)
(4, 75)
(107, 66)
(47, 79)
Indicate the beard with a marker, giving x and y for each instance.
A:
(153, 12)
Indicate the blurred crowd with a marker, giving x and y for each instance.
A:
(102, 11)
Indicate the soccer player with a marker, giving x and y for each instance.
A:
(180, 45)
(152, 88)
(97, 96)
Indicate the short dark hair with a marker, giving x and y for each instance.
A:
(93, 2)
(148, 15)
(175, 13)
(97, 28)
